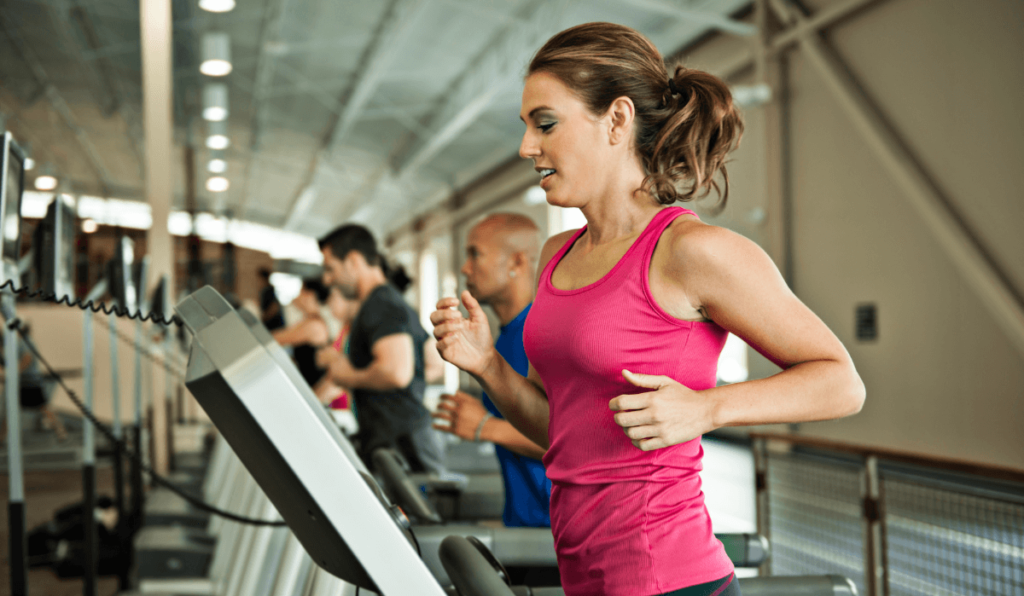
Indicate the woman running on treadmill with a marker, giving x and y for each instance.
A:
(632, 312)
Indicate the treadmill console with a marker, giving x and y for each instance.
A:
(301, 461)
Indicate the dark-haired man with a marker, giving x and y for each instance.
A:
(384, 365)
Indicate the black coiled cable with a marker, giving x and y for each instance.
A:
(91, 305)
(17, 325)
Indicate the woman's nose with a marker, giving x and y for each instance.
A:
(528, 148)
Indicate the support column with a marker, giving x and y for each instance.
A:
(157, 94)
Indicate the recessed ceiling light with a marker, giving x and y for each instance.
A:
(217, 141)
(89, 226)
(217, 166)
(217, 5)
(215, 102)
(46, 183)
(217, 184)
(215, 68)
(216, 55)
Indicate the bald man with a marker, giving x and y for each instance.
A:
(501, 262)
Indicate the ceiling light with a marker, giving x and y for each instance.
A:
(29, 163)
(217, 184)
(217, 5)
(217, 166)
(215, 102)
(218, 135)
(217, 142)
(216, 55)
(46, 182)
(89, 226)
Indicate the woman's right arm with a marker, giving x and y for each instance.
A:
(467, 344)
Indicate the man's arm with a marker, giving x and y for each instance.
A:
(464, 413)
(500, 432)
(393, 366)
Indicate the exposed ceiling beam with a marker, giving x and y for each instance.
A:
(269, 31)
(57, 102)
(398, 18)
(492, 72)
(402, 15)
(675, 9)
(67, 18)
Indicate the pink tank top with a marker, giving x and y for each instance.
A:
(625, 521)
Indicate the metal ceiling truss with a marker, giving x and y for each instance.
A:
(270, 29)
(675, 8)
(106, 81)
(398, 18)
(492, 72)
(12, 30)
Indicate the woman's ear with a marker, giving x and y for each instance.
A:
(620, 119)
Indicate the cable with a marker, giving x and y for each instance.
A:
(90, 305)
(197, 503)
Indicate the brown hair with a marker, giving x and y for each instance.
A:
(685, 127)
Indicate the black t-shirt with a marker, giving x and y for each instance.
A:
(384, 416)
(268, 298)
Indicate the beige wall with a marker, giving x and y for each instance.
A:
(942, 377)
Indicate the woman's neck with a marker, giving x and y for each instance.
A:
(620, 212)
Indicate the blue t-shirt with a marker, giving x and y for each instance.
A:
(527, 488)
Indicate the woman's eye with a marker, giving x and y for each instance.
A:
(545, 127)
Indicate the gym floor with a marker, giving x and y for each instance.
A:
(45, 492)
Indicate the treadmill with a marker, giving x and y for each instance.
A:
(521, 547)
(309, 471)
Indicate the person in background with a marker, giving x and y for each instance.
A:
(500, 266)
(309, 334)
(344, 310)
(384, 365)
(270, 308)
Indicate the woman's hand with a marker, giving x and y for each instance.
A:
(325, 356)
(340, 370)
(669, 415)
(463, 412)
(466, 343)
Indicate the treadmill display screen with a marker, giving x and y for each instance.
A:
(12, 204)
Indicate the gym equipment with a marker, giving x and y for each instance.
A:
(12, 183)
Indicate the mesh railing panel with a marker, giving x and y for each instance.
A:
(941, 542)
(815, 518)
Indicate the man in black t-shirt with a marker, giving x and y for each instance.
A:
(384, 366)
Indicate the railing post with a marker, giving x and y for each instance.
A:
(760, 448)
(874, 527)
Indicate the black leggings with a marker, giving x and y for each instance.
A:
(727, 586)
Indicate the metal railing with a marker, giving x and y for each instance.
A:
(896, 523)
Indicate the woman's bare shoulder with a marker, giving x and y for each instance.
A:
(697, 248)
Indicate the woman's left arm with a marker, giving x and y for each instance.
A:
(734, 283)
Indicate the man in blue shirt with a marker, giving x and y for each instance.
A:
(500, 268)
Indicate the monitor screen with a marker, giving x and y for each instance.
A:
(55, 248)
(121, 284)
(10, 211)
